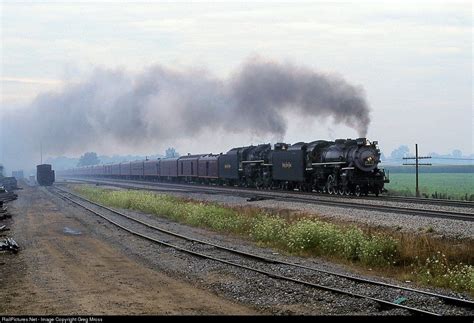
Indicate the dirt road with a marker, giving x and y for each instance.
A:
(65, 269)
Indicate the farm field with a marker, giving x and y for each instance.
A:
(442, 185)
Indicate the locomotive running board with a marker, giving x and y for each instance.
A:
(330, 163)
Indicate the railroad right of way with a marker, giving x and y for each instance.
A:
(440, 223)
(421, 302)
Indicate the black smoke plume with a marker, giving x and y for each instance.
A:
(161, 104)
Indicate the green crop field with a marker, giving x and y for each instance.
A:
(443, 185)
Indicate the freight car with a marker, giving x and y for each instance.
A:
(343, 166)
(45, 175)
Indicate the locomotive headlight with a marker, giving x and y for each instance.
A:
(366, 158)
(369, 160)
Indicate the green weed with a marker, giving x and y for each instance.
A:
(301, 235)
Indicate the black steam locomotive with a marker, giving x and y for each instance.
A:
(344, 166)
(340, 167)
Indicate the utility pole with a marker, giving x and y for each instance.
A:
(416, 164)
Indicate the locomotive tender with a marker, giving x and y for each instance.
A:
(343, 166)
(44, 175)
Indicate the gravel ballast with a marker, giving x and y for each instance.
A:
(403, 222)
(268, 295)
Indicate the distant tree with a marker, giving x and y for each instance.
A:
(400, 152)
(88, 159)
(457, 153)
(171, 152)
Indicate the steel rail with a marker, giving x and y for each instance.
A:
(447, 299)
(422, 200)
(385, 208)
(274, 261)
(403, 199)
(304, 198)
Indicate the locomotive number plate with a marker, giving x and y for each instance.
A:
(286, 165)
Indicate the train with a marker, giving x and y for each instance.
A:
(343, 166)
(45, 175)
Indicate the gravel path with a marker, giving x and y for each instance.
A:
(66, 267)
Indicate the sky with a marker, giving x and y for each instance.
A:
(411, 60)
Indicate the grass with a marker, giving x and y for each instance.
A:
(434, 185)
(417, 257)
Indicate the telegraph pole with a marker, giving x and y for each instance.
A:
(416, 164)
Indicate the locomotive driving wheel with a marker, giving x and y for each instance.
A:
(331, 185)
(357, 190)
(377, 191)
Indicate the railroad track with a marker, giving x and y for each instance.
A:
(402, 199)
(422, 200)
(301, 198)
(295, 273)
